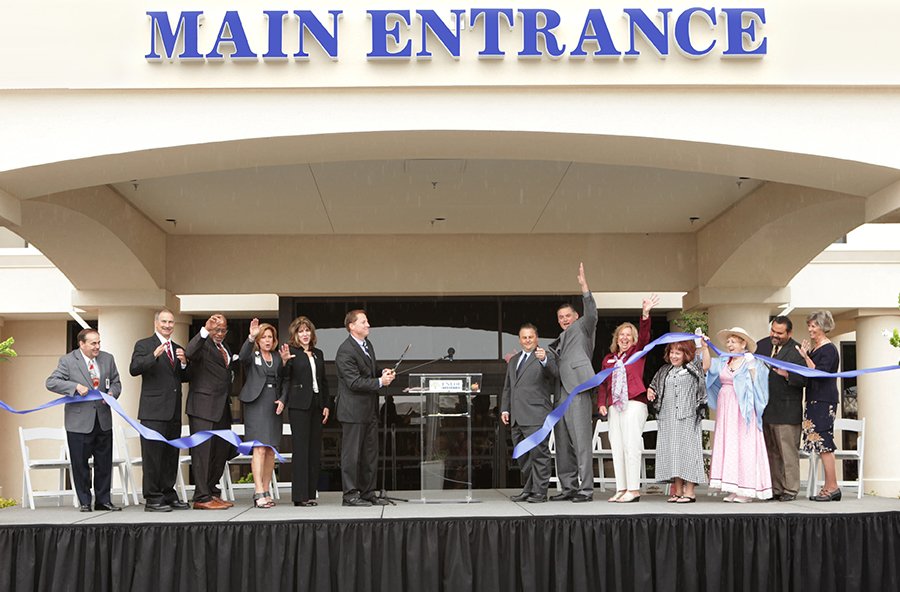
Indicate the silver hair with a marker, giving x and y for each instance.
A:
(823, 319)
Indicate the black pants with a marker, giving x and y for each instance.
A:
(208, 459)
(306, 438)
(160, 462)
(97, 443)
(359, 458)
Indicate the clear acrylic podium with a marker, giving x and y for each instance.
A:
(445, 411)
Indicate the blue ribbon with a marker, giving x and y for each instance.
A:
(554, 416)
(148, 434)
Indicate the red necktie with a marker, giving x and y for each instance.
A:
(95, 375)
(169, 353)
(224, 353)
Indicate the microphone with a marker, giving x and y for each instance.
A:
(450, 353)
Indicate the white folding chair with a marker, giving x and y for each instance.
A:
(244, 459)
(60, 463)
(554, 476)
(601, 453)
(184, 460)
(708, 427)
(127, 434)
(843, 454)
(648, 453)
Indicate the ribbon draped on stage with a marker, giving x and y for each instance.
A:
(554, 416)
(148, 434)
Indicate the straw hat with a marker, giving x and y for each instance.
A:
(738, 332)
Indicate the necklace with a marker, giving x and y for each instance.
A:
(268, 363)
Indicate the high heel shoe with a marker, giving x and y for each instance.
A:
(825, 496)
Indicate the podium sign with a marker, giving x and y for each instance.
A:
(445, 406)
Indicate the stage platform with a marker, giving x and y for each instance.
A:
(495, 544)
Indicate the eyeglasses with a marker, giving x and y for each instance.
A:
(219, 331)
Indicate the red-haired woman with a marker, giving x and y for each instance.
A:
(678, 391)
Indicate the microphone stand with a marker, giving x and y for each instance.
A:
(383, 493)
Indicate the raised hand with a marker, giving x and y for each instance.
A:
(648, 304)
(214, 321)
(581, 279)
(285, 352)
(254, 328)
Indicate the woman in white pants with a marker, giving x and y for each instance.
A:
(624, 396)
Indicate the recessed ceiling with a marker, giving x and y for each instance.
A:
(411, 196)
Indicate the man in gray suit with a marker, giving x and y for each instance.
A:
(575, 348)
(526, 400)
(88, 424)
(783, 416)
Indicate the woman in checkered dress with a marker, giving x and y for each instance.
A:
(678, 391)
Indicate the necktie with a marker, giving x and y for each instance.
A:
(169, 353)
(521, 363)
(365, 346)
(95, 374)
(224, 353)
(775, 350)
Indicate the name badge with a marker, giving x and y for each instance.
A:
(107, 384)
(258, 361)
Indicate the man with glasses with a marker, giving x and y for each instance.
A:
(207, 409)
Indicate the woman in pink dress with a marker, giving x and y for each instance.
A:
(738, 389)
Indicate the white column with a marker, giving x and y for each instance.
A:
(120, 328)
(879, 403)
(753, 318)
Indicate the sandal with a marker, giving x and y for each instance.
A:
(264, 498)
(616, 497)
(685, 500)
(675, 497)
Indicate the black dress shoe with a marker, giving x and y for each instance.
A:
(563, 497)
(107, 508)
(582, 497)
(179, 505)
(157, 508)
(536, 499)
(787, 497)
(521, 497)
(356, 501)
(85, 508)
(302, 504)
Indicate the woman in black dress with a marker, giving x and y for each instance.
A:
(821, 400)
(305, 392)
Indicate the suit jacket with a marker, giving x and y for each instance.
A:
(210, 379)
(575, 348)
(72, 371)
(528, 394)
(296, 388)
(357, 396)
(160, 381)
(255, 373)
(785, 396)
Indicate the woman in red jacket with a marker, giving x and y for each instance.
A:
(624, 396)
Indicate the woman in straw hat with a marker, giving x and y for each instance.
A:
(738, 389)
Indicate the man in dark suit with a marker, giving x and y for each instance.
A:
(575, 348)
(783, 415)
(88, 425)
(161, 364)
(208, 409)
(357, 410)
(524, 404)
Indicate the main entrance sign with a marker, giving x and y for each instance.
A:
(695, 32)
